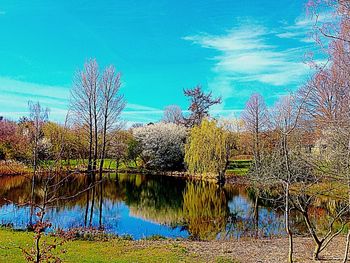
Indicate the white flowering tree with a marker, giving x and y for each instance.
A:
(162, 145)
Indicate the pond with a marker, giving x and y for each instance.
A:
(144, 206)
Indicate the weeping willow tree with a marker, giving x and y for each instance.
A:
(207, 150)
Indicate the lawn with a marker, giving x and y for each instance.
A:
(238, 167)
(235, 167)
(113, 250)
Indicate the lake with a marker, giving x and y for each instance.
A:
(144, 206)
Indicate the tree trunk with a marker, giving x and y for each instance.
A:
(101, 204)
(256, 216)
(38, 256)
(90, 142)
(116, 166)
(87, 207)
(317, 241)
(103, 140)
(286, 211)
(348, 179)
(345, 259)
(92, 206)
(33, 181)
(316, 255)
(289, 232)
(95, 132)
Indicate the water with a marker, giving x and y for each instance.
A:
(143, 206)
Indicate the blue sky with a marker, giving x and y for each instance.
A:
(232, 48)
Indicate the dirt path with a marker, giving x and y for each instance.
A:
(274, 250)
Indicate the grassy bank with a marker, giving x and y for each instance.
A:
(117, 250)
(238, 167)
(112, 250)
(235, 167)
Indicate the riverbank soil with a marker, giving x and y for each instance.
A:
(266, 250)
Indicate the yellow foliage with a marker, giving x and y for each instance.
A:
(207, 149)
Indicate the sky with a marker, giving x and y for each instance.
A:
(231, 48)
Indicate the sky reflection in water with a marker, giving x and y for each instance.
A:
(143, 206)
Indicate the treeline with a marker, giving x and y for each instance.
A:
(93, 132)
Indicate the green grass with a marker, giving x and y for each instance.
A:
(239, 167)
(107, 164)
(111, 164)
(113, 250)
(235, 167)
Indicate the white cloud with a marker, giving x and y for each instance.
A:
(303, 26)
(291, 34)
(15, 94)
(135, 107)
(246, 55)
(235, 40)
(22, 88)
(308, 21)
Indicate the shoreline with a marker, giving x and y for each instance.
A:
(230, 178)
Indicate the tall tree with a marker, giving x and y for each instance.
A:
(112, 105)
(256, 120)
(84, 105)
(200, 104)
(37, 117)
(328, 107)
(118, 146)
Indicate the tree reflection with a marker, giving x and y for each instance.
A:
(156, 199)
(205, 210)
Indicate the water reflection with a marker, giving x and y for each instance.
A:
(142, 206)
(205, 209)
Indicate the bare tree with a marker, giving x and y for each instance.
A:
(84, 105)
(292, 166)
(173, 114)
(111, 106)
(200, 105)
(279, 168)
(118, 146)
(334, 29)
(256, 120)
(327, 107)
(286, 120)
(51, 183)
(37, 117)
